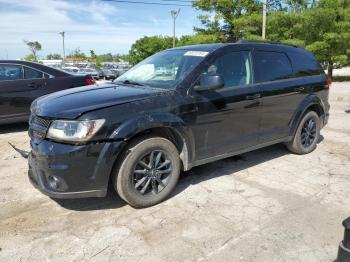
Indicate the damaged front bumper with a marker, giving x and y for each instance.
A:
(72, 171)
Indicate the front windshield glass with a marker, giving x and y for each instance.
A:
(164, 69)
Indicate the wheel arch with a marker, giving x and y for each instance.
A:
(311, 102)
(165, 125)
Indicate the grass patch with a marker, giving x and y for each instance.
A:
(341, 78)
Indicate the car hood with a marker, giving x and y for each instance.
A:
(72, 103)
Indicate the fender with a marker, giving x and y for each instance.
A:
(300, 111)
(134, 126)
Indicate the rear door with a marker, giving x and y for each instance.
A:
(281, 93)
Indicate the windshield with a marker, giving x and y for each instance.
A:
(165, 69)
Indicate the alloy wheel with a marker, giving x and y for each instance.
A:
(152, 173)
(308, 133)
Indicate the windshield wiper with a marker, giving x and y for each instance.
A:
(130, 82)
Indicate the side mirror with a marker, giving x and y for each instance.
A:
(210, 82)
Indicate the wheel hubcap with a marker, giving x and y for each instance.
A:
(152, 173)
(308, 133)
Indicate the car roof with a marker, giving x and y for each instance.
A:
(268, 45)
(41, 67)
(203, 47)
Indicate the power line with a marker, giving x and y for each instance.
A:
(150, 3)
(184, 1)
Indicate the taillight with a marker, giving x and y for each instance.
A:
(329, 82)
(89, 81)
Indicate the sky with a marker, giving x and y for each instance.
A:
(104, 26)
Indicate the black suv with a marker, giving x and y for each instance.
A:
(177, 109)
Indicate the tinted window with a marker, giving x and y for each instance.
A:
(305, 64)
(30, 73)
(10, 72)
(235, 67)
(271, 66)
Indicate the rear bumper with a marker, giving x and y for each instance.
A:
(72, 171)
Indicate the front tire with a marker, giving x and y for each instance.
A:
(148, 173)
(307, 135)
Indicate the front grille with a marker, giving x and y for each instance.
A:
(38, 127)
(41, 121)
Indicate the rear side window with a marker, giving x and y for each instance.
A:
(270, 66)
(30, 73)
(10, 72)
(305, 64)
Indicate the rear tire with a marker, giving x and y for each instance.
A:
(148, 171)
(307, 135)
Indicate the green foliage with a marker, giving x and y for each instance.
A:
(323, 29)
(146, 46)
(341, 78)
(321, 26)
(77, 54)
(197, 39)
(92, 55)
(53, 57)
(29, 57)
(34, 47)
(112, 58)
(296, 6)
(121, 58)
(106, 57)
(226, 19)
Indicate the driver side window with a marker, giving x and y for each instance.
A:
(234, 67)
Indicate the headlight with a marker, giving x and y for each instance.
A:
(74, 131)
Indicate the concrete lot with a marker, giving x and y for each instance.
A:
(267, 205)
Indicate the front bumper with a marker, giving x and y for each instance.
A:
(72, 171)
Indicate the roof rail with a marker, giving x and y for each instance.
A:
(243, 41)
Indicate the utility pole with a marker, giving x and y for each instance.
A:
(64, 51)
(174, 14)
(264, 20)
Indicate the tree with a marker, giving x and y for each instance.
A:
(296, 6)
(106, 57)
(29, 57)
(197, 39)
(77, 55)
(331, 41)
(34, 47)
(323, 28)
(226, 17)
(121, 57)
(148, 45)
(53, 57)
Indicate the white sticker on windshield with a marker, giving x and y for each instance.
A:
(196, 53)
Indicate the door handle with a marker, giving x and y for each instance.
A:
(253, 97)
(32, 85)
(300, 88)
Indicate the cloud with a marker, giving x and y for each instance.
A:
(89, 24)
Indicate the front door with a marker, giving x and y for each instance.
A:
(228, 118)
(17, 84)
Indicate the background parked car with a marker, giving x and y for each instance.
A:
(120, 70)
(71, 69)
(21, 82)
(101, 74)
(90, 71)
(109, 75)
